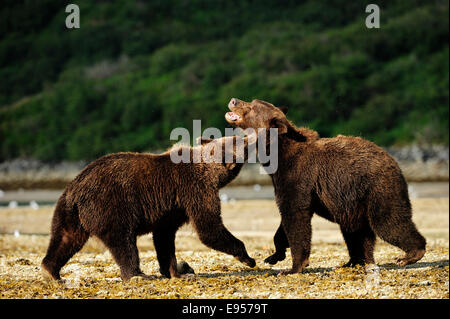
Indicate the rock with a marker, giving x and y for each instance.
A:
(424, 283)
(184, 268)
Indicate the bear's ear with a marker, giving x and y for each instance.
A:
(284, 109)
(203, 140)
(279, 124)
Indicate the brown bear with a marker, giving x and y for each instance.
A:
(121, 196)
(347, 180)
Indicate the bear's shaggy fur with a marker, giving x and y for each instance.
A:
(121, 196)
(347, 180)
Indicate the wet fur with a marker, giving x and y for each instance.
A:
(347, 180)
(121, 196)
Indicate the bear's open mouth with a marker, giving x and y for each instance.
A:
(232, 116)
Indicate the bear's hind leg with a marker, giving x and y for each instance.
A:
(395, 226)
(411, 257)
(67, 238)
(360, 245)
(62, 247)
(125, 253)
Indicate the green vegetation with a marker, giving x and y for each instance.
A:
(136, 69)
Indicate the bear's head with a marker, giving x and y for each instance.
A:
(227, 154)
(257, 114)
(228, 150)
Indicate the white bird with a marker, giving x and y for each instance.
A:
(34, 205)
(224, 197)
(256, 187)
(13, 204)
(412, 192)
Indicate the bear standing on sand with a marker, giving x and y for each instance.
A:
(347, 180)
(123, 195)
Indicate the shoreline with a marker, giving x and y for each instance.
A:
(418, 164)
(228, 194)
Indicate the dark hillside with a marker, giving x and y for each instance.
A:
(137, 69)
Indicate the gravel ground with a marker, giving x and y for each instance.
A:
(92, 273)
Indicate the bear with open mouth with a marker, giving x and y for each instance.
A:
(347, 180)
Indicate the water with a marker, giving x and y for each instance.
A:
(42, 197)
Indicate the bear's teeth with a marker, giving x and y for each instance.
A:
(233, 116)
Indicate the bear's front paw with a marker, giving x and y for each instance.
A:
(247, 260)
(274, 258)
(250, 262)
